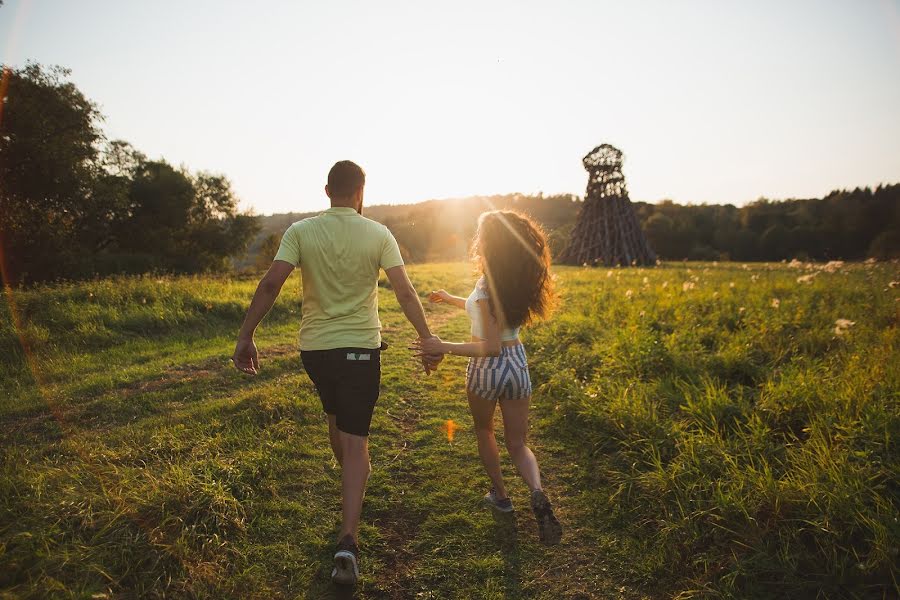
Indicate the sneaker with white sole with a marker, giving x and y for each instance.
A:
(549, 528)
(346, 562)
(491, 499)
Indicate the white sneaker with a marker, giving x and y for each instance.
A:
(346, 562)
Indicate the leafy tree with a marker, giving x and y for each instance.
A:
(267, 251)
(73, 204)
(48, 149)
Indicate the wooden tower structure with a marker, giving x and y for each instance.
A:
(607, 231)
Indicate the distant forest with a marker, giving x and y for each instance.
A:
(74, 204)
(844, 225)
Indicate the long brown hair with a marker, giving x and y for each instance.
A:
(512, 252)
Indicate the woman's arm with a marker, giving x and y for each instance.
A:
(491, 346)
(442, 297)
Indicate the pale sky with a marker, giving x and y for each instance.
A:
(711, 101)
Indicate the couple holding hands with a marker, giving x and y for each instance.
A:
(340, 254)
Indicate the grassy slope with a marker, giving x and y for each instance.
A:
(691, 446)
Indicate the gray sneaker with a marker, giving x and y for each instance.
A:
(504, 505)
(346, 562)
(549, 529)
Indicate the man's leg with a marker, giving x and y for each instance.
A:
(334, 436)
(358, 375)
(355, 474)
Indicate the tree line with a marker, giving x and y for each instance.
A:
(74, 204)
(844, 225)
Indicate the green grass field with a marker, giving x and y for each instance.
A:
(706, 430)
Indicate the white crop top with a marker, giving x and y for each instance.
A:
(481, 293)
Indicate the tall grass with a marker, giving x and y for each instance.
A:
(732, 427)
(707, 430)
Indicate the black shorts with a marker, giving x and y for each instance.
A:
(348, 382)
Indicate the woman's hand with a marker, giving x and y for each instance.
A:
(439, 297)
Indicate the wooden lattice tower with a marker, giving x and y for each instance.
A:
(607, 231)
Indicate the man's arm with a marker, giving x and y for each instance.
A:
(412, 308)
(245, 357)
(408, 299)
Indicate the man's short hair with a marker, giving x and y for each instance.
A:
(344, 178)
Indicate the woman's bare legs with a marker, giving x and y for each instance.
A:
(515, 430)
(483, 415)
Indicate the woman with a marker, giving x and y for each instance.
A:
(514, 289)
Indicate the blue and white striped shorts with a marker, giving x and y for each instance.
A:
(503, 377)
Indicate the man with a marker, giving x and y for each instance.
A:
(339, 253)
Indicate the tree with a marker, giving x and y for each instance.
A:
(48, 149)
(267, 251)
(186, 223)
(73, 204)
(886, 246)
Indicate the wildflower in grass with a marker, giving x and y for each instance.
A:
(715, 294)
(609, 273)
(754, 277)
(687, 285)
(666, 284)
(741, 310)
(646, 280)
(894, 284)
(842, 326)
(731, 284)
(642, 314)
(776, 302)
(629, 294)
(807, 278)
(833, 266)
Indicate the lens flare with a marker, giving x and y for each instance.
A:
(451, 428)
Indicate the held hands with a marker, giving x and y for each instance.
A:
(430, 360)
(430, 346)
(245, 357)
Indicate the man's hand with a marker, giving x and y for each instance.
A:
(245, 356)
(430, 346)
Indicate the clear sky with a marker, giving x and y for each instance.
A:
(711, 101)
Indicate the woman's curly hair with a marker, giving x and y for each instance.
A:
(512, 252)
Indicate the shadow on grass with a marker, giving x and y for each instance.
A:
(506, 533)
(139, 401)
(320, 584)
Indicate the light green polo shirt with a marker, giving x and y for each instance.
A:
(339, 253)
